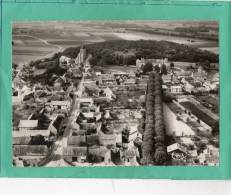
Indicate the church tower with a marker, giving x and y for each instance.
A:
(81, 56)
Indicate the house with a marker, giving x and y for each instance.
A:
(21, 140)
(132, 74)
(64, 60)
(88, 82)
(183, 74)
(75, 126)
(76, 73)
(106, 79)
(202, 158)
(18, 162)
(79, 140)
(60, 104)
(18, 82)
(97, 73)
(25, 125)
(208, 85)
(119, 138)
(188, 87)
(32, 133)
(17, 100)
(199, 75)
(54, 125)
(177, 151)
(134, 133)
(131, 81)
(107, 139)
(92, 140)
(187, 80)
(30, 150)
(139, 64)
(176, 89)
(100, 152)
(167, 78)
(193, 153)
(116, 156)
(134, 136)
(91, 116)
(85, 102)
(88, 126)
(75, 154)
(86, 118)
(87, 66)
(78, 132)
(130, 156)
(107, 115)
(109, 94)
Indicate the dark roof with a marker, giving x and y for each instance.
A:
(75, 151)
(93, 139)
(76, 140)
(98, 151)
(30, 150)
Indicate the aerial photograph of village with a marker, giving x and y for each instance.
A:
(115, 93)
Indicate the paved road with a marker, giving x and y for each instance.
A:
(56, 157)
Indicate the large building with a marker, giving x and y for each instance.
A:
(81, 56)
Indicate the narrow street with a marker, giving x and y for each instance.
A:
(55, 159)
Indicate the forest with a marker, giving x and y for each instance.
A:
(123, 52)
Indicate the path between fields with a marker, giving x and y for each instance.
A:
(59, 48)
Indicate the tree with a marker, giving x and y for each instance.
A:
(163, 69)
(157, 68)
(15, 66)
(172, 65)
(160, 156)
(215, 128)
(146, 160)
(37, 140)
(125, 135)
(147, 67)
(159, 139)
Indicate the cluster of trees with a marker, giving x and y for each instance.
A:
(124, 52)
(153, 146)
(51, 67)
(148, 67)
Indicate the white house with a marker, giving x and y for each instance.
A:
(60, 104)
(65, 60)
(27, 125)
(188, 87)
(139, 64)
(109, 94)
(175, 89)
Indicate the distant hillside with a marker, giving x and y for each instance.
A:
(119, 52)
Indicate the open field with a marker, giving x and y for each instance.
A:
(27, 48)
(181, 40)
(51, 37)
